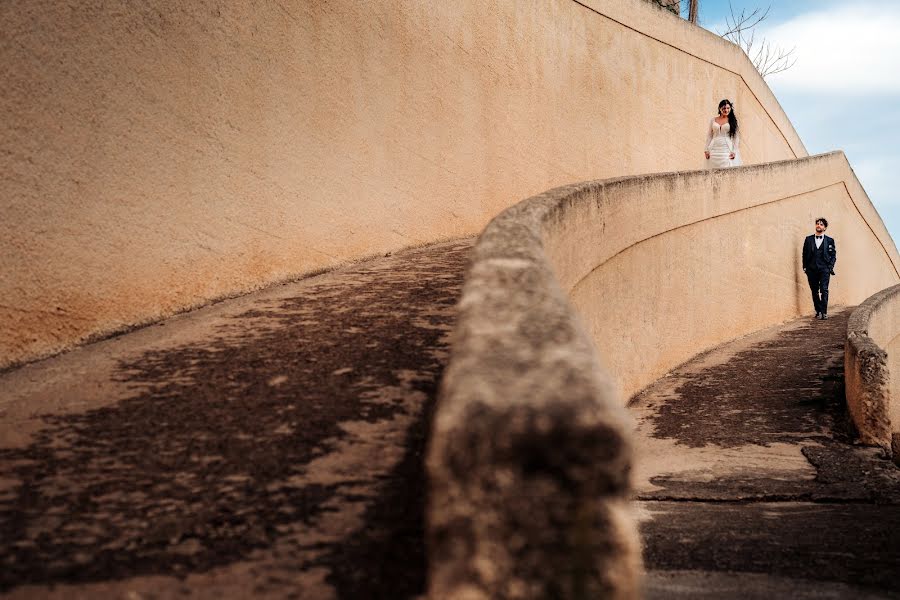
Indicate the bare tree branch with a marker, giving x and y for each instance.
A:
(739, 24)
(740, 29)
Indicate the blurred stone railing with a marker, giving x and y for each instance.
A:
(530, 455)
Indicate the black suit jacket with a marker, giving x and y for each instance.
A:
(809, 253)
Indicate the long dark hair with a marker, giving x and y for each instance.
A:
(732, 118)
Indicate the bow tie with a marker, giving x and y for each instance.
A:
(818, 237)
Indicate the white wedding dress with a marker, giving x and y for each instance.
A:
(720, 145)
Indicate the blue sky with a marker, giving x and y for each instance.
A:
(844, 91)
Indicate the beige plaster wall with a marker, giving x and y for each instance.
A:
(884, 321)
(884, 328)
(663, 267)
(157, 155)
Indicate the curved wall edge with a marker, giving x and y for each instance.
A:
(701, 258)
(871, 365)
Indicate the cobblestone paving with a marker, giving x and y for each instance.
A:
(276, 453)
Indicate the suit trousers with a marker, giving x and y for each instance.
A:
(818, 285)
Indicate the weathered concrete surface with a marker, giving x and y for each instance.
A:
(267, 446)
(748, 479)
(872, 368)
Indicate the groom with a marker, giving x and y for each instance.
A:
(819, 256)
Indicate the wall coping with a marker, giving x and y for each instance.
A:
(860, 319)
(867, 375)
(529, 441)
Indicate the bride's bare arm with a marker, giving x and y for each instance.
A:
(709, 138)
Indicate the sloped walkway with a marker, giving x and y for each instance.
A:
(271, 446)
(748, 482)
(268, 446)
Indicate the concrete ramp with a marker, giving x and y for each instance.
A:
(268, 446)
(157, 156)
(748, 480)
(272, 445)
(657, 268)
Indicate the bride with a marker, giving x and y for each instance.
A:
(722, 139)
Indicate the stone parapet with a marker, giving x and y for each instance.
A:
(871, 365)
(530, 455)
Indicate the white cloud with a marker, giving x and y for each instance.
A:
(844, 91)
(848, 49)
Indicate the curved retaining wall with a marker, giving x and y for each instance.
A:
(871, 365)
(156, 155)
(529, 456)
(661, 267)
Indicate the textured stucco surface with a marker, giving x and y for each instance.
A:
(871, 366)
(157, 155)
(663, 267)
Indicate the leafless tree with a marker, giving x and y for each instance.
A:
(693, 10)
(740, 29)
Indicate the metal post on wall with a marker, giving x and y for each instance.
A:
(693, 10)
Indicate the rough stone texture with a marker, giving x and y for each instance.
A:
(749, 479)
(868, 367)
(868, 389)
(269, 446)
(529, 462)
(156, 155)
